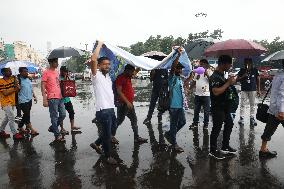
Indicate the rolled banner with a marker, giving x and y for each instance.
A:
(199, 70)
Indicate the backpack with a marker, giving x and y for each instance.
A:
(165, 96)
(232, 98)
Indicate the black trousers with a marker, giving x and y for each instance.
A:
(220, 116)
(69, 108)
(26, 109)
(122, 112)
(271, 127)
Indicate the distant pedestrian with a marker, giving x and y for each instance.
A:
(67, 102)
(202, 95)
(276, 111)
(159, 77)
(250, 86)
(104, 102)
(220, 108)
(25, 96)
(52, 98)
(177, 101)
(8, 88)
(125, 105)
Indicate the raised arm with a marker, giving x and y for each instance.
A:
(94, 58)
(173, 68)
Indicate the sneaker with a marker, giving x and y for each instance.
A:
(253, 122)
(147, 121)
(95, 121)
(216, 154)
(140, 140)
(111, 161)
(18, 118)
(3, 134)
(241, 121)
(114, 140)
(192, 126)
(168, 137)
(229, 150)
(268, 154)
(96, 147)
(17, 136)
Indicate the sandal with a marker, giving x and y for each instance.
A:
(178, 149)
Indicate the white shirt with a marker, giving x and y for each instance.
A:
(104, 97)
(202, 84)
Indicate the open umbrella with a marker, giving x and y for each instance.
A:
(156, 55)
(195, 49)
(15, 65)
(279, 55)
(235, 48)
(63, 52)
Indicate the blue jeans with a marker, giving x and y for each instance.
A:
(56, 106)
(107, 121)
(177, 121)
(198, 102)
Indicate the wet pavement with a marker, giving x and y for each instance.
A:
(33, 163)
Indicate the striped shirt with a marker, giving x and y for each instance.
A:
(7, 84)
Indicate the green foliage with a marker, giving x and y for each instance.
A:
(77, 64)
(164, 44)
(273, 46)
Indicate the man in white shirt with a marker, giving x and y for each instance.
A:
(104, 102)
(202, 95)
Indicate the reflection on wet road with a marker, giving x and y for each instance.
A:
(33, 163)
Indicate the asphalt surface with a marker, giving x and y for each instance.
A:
(34, 163)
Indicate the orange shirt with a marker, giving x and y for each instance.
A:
(7, 84)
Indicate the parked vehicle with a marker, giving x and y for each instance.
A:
(143, 74)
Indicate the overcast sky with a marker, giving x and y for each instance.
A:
(124, 22)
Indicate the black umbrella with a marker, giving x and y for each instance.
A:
(279, 55)
(63, 52)
(196, 48)
(156, 55)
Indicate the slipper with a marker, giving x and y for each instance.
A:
(75, 128)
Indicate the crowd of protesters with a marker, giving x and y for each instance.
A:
(214, 92)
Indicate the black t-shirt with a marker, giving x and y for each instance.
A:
(217, 80)
(248, 83)
(160, 77)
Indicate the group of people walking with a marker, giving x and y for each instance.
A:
(213, 91)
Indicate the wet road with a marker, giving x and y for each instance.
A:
(33, 163)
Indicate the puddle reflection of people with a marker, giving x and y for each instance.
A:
(165, 170)
(24, 168)
(121, 177)
(247, 154)
(65, 161)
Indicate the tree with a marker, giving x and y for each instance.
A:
(77, 64)
(274, 46)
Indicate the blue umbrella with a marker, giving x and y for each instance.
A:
(15, 65)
